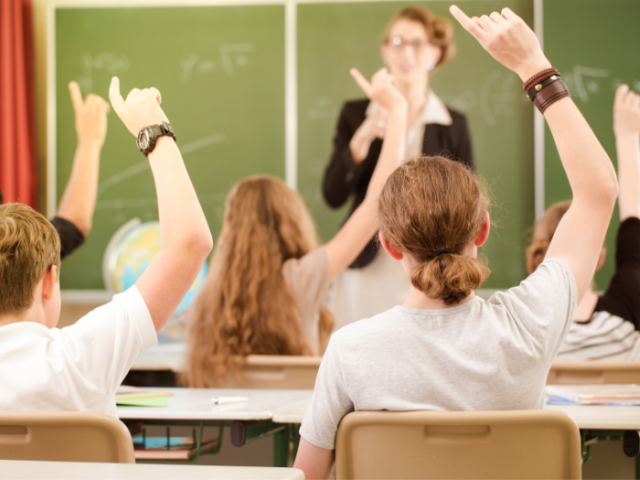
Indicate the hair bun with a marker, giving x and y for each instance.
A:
(449, 276)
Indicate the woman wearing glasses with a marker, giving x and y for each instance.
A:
(415, 44)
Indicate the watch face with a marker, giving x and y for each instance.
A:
(143, 139)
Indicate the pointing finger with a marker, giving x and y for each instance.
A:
(362, 82)
(76, 96)
(114, 94)
(470, 26)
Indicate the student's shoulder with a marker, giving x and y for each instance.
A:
(550, 286)
(376, 328)
(128, 307)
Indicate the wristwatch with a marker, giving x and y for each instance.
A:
(148, 137)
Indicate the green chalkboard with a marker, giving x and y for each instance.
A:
(221, 71)
(332, 37)
(593, 43)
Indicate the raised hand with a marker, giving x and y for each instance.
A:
(508, 39)
(91, 117)
(374, 126)
(626, 113)
(140, 109)
(382, 89)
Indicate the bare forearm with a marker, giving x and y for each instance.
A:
(392, 153)
(79, 199)
(354, 235)
(182, 221)
(589, 169)
(628, 149)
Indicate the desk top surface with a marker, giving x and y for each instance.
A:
(24, 470)
(288, 406)
(196, 404)
(601, 417)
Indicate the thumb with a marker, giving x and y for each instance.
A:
(76, 96)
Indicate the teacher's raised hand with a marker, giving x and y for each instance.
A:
(141, 108)
(382, 89)
(508, 39)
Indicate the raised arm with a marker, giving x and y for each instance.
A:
(79, 199)
(580, 235)
(343, 249)
(185, 237)
(626, 126)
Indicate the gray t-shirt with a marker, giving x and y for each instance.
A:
(481, 355)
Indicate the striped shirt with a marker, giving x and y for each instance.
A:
(612, 331)
(604, 337)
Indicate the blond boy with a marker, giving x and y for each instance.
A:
(79, 367)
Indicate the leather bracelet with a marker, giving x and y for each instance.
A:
(548, 96)
(540, 76)
(535, 90)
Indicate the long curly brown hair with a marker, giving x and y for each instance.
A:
(245, 306)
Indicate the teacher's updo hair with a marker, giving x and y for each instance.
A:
(439, 29)
(432, 208)
(543, 231)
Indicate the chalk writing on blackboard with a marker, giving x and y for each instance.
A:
(320, 109)
(232, 56)
(109, 63)
(496, 96)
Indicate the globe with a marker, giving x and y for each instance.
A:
(131, 251)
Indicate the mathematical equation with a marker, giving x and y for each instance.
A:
(232, 56)
(110, 63)
(586, 82)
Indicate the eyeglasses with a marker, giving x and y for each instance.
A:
(398, 43)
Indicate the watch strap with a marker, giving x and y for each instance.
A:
(155, 132)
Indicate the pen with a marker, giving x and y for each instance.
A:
(224, 400)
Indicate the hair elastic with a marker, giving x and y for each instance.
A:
(442, 251)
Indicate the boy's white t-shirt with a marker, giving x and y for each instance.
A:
(78, 367)
(481, 355)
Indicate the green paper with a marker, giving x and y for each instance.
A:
(159, 401)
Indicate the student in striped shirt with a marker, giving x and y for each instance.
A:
(606, 327)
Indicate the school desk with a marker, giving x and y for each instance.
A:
(247, 421)
(27, 470)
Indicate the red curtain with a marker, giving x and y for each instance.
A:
(18, 176)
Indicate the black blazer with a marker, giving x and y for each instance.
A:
(343, 178)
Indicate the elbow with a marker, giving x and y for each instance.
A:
(611, 188)
(203, 244)
(606, 194)
(196, 246)
(84, 226)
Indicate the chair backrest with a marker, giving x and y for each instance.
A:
(65, 437)
(591, 372)
(275, 372)
(427, 444)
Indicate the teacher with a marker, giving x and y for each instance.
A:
(415, 44)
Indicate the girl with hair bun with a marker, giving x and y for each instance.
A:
(445, 348)
(606, 326)
(415, 44)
